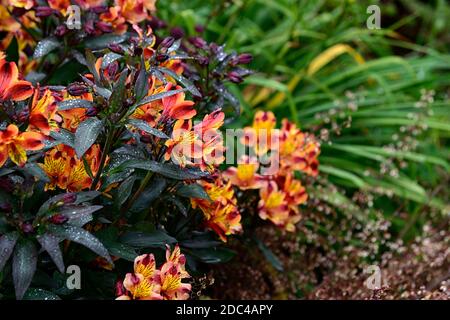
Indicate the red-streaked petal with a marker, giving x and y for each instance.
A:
(20, 90)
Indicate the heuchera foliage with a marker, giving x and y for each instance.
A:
(95, 124)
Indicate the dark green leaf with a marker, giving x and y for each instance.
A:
(268, 254)
(87, 168)
(154, 97)
(213, 255)
(117, 95)
(193, 190)
(45, 46)
(64, 136)
(153, 191)
(141, 85)
(50, 243)
(124, 190)
(78, 215)
(7, 243)
(144, 126)
(40, 294)
(24, 266)
(86, 134)
(167, 169)
(12, 52)
(185, 82)
(121, 250)
(36, 171)
(81, 236)
(74, 103)
(91, 60)
(103, 41)
(156, 238)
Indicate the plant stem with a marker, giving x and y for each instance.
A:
(105, 151)
(138, 192)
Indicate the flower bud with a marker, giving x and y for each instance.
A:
(104, 26)
(233, 76)
(199, 28)
(77, 89)
(69, 198)
(92, 111)
(58, 218)
(114, 47)
(5, 207)
(27, 227)
(146, 139)
(61, 30)
(100, 9)
(198, 42)
(44, 11)
(244, 58)
(177, 33)
(162, 57)
(112, 69)
(203, 61)
(89, 27)
(167, 42)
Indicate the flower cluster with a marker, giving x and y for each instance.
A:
(149, 283)
(220, 209)
(280, 192)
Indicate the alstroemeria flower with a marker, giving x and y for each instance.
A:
(175, 107)
(262, 135)
(149, 283)
(298, 150)
(15, 144)
(66, 171)
(26, 4)
(141, 288)
(221, 212)
(245, 175)
(184, 146)
(279, 202)
(145, 264)
(135, 11)
(10, 85)
(43, 115)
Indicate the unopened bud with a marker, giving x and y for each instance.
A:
(77, 89)
(61, 30)
(27, 227)
(44, 11)
(198, 42)
(104, 26)
(167, 42)
(114, 47)
(100, 9)
(92, 111)
(177, 33)
(69, 198)
(244, 58)
(58, 218)
(233, 76)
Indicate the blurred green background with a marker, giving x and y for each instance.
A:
(378, 99)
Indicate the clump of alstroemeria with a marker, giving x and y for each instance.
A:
(289, 150)
(150, 283)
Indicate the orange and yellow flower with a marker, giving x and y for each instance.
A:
(149, 283)
(262, 134)
(14, 144)
(10, 86)
(135, 11)
(245, 175)
(220, 211)
(66, 171)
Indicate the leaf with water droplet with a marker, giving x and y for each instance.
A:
(40, 294)
(74, 103)
(45, 46)
(109, 58)
(168, 170)
(185, 82)
(64, 136)
(86, 134)
(193, 190)
(50, 243)
(79, 215)
(24, 266)
(7, 243)
(81, 236)
(144, 126)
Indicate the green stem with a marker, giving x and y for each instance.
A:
(138, 192)
(105, 151)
